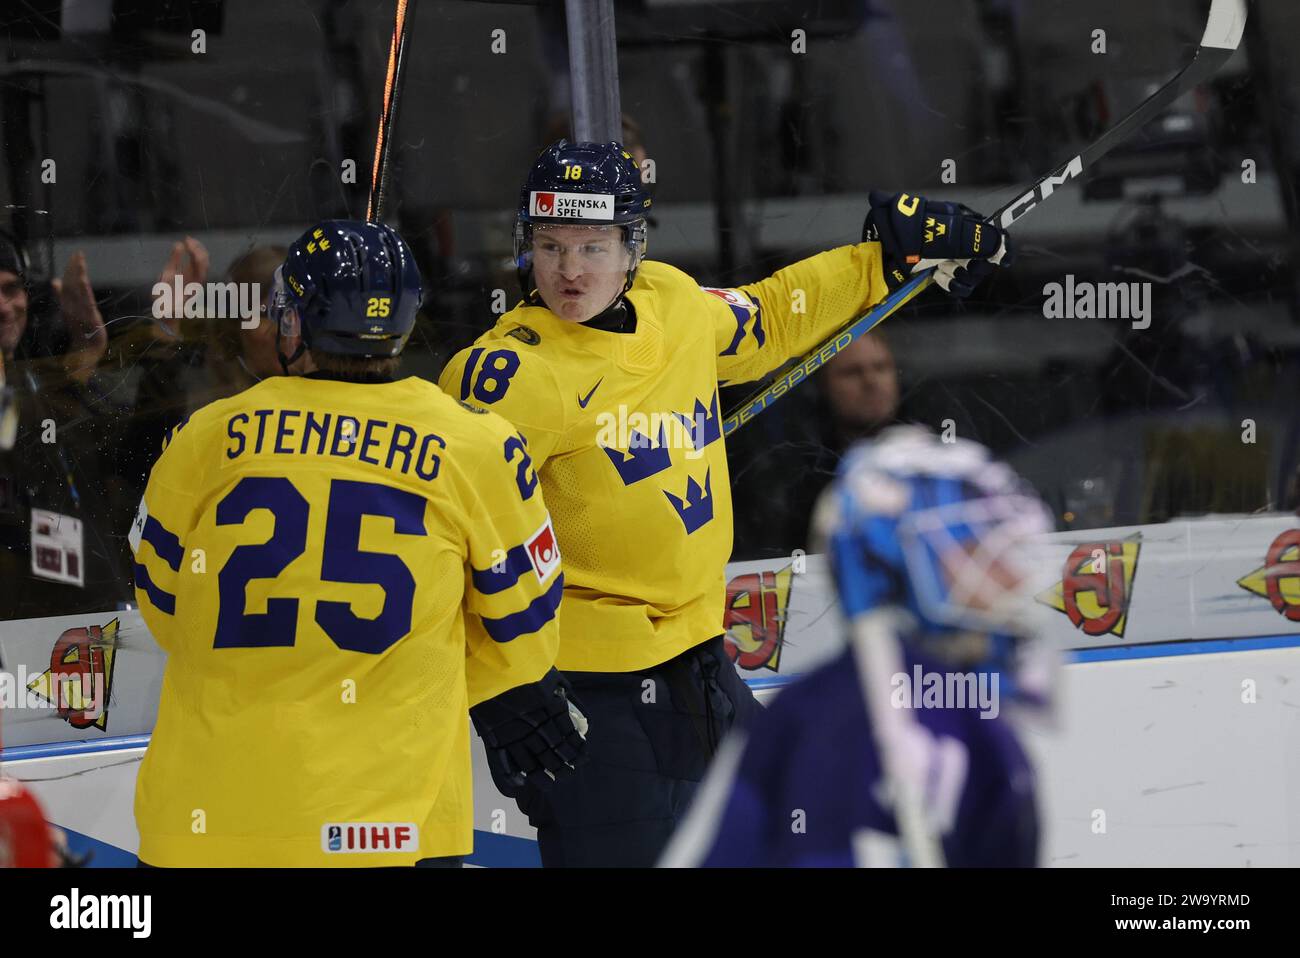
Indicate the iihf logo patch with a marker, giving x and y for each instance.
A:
(371, 837)
(543, 551)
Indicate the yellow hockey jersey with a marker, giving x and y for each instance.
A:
(337, 572)
(625, 432)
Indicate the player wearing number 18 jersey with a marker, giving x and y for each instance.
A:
(611, 369)
(339, 567)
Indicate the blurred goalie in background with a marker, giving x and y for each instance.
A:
(928, 543)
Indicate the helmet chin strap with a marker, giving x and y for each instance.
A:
(287, 361)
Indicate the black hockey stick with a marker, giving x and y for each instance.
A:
(1223, 29)
(388, 114)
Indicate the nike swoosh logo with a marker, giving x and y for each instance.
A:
(583, 400)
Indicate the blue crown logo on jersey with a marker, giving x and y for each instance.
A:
(697, 509)
(643, 458)
(703, 427)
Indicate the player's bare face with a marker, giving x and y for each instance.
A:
(13, 311)
(579, 270)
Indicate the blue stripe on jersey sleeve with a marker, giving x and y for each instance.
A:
(164, 601)
(490, 581)
(540, 611)
(165, 543)
(741, 315)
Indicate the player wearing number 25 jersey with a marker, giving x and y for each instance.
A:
(339, 567)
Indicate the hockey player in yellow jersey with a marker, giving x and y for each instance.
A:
(340, 566)
(610, 369)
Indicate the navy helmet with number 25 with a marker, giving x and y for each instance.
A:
(352, 287)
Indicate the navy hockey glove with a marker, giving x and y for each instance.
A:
(915, 233)
(534, 734)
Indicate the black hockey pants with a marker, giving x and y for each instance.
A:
(652, 736)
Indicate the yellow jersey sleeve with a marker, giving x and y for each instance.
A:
(518, 386)
(165, 513)
(786, 315)
(514, 580)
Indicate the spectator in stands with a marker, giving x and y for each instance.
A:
(188, 363)
(238, 357)
(60, 492)
(776, 486)
(86, 337)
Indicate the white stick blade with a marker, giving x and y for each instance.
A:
(1225, 25)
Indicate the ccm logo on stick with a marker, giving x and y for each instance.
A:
(1042, 190)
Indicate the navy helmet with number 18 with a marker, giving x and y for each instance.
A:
(582, 184)
(353, 287)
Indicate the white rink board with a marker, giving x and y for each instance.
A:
(1185, 772)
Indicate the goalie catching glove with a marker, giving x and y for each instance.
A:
(534, 734)
(915, 233)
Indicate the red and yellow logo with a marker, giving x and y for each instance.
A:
(755, 618)
(1096, 586)
(79, 680)
(1278, 579)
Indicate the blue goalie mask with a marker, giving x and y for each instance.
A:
(944, 535)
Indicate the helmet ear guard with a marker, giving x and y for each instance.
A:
(287, 323)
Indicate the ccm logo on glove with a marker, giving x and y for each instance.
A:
(915, 233)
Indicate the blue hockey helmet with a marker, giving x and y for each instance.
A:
(944, 534)
(353, 287)
(582, 184)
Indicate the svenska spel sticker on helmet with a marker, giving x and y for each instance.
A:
(575, 206)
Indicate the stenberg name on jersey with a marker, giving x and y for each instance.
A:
(293, 432)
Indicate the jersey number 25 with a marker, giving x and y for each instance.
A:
(341, 561)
